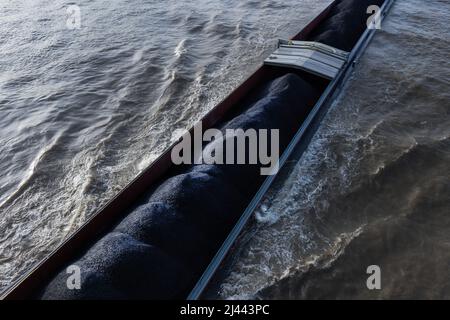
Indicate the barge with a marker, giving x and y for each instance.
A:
(165, 235)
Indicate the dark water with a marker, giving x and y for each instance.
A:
(374, 186)
(84, 110)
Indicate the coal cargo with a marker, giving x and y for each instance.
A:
(184, 221)
(120, 267)
(346, 23)
(286, 103)
(159, 234)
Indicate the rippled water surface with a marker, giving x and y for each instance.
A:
(84, 110)
(374, 186)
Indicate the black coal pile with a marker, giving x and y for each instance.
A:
(345, 24)
(160, 249)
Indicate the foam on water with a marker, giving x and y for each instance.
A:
(83, 111)
(372, 188)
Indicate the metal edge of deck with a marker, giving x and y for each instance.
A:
(23, 287)
(330, 92)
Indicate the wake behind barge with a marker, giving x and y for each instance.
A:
(166, 234)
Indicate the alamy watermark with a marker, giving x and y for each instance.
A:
(374, 21)
(374, 280)
(235, 146)
(73, 21)
(73, 281)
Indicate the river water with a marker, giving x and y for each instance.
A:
(83, 111)
(373, 188)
